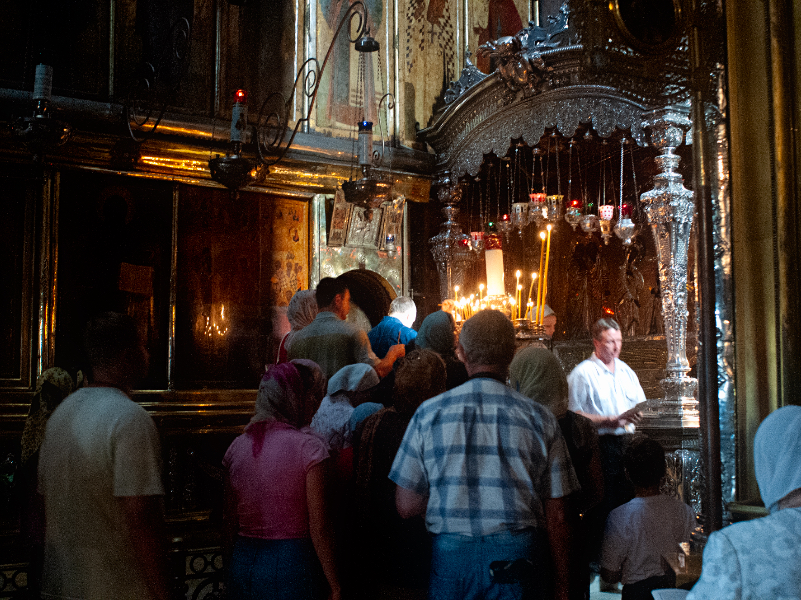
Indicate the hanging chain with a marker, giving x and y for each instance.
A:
(602, 201)
(498, 194)
(612, 191)
(547, 166)
(359, 103)
(583, 183)
(469, 187)
(558, 171)
(622, 156)
(481, 205)
(542, 172)
(570, 172)
(634, 178)
(509, 184)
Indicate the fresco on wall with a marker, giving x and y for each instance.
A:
(428, 50)
(340, 95)
(492, 20)
(289, 225)
(427, 58)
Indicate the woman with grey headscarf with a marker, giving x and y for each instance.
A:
(761, 558)
(301, 311)
(537, 374)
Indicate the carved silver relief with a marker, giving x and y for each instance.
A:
(489, 129)
(470, 77)
(683, 479)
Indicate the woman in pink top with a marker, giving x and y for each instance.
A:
(278, 533)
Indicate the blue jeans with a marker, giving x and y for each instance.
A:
(461, 567)
(275, 569)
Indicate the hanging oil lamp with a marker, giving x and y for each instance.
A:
(625, 228)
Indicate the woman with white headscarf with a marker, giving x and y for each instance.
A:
(761, 559)
(347, 389)
(301, 311)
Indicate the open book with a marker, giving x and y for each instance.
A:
(634, 410)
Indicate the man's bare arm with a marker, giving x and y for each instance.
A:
(320, 526)
(144, 517)
(384, 366)
(601, 421)
(409, 503)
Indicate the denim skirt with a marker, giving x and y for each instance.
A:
(275, 569)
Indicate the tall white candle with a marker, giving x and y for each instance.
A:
(494, 260)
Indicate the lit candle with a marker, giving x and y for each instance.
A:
(456, 293)
(239, 115)
(545, 275)
(517, 291)
(530, 289)
(480, 290)
(539, 279)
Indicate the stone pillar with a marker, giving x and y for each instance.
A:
(450, 247)
(669, 208)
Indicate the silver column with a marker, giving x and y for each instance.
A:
(669, 208)
(450, 247)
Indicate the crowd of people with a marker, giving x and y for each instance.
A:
(395, 464)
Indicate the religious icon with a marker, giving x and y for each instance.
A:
(365, 225)
(340, 218)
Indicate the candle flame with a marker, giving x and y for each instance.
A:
(549, 227)
(542, 234)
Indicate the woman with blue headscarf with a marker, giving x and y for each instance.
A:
(762, 558)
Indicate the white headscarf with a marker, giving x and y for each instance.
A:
(301, 311)
(777, 455)
(353, 378)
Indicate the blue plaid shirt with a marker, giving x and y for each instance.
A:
(486, 457)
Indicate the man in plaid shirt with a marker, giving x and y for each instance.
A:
(489, 469)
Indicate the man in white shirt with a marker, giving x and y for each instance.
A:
(100, 475)
(603, 388)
